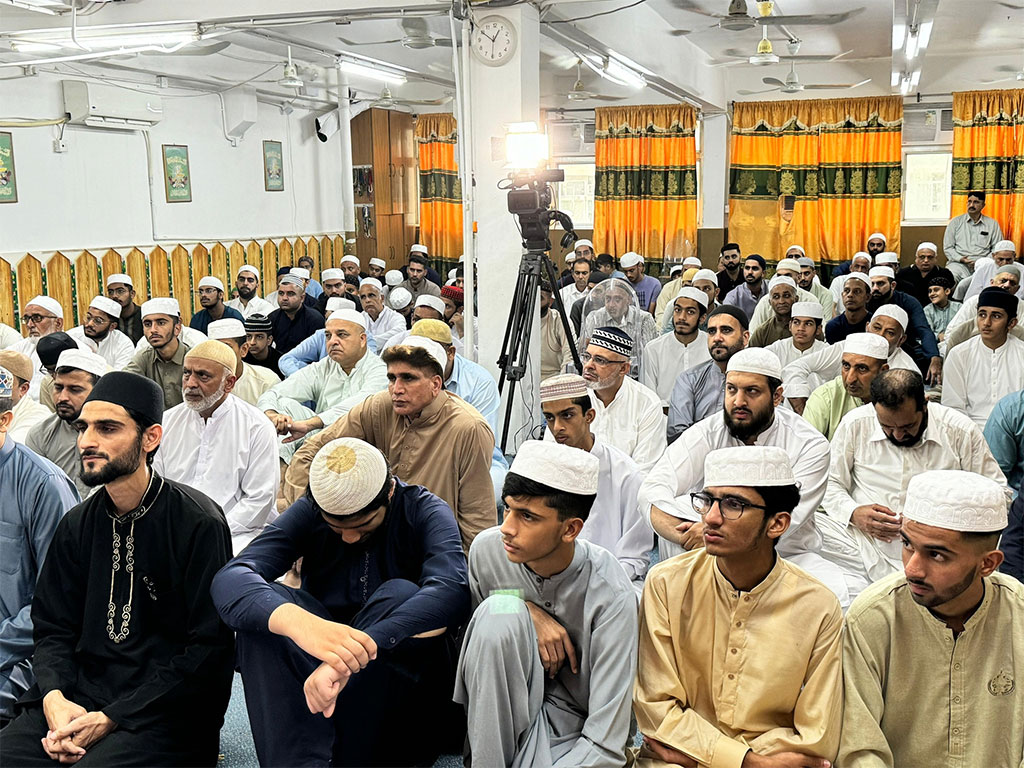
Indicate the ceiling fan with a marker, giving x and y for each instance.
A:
(194, 50)
(792, 84)
(579, 91)
(386, 100)
(766, 55)
(417, 36)
(1016, 74)
(736, 18)
(290, 77)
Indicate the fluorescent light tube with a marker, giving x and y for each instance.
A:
(362, 70)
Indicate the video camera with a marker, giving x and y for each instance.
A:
(529, 200)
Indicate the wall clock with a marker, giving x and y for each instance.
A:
(493, 40)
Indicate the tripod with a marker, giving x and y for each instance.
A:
(516, 345)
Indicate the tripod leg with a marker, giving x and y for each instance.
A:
(569, 335)
(511, 330)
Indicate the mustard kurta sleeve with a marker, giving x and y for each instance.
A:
(862, 743)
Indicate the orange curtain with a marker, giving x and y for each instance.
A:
(440, 188)
(988, 155)
(645, 196)
(823, 174)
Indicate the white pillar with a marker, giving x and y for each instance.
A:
(715, 137)
(348, 209)
(500, 95)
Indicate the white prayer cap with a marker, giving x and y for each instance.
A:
(375, 262)
(926, 245)
(882, 272)
(706, 274)
(862, 255)
(228, 328)
(582, 243)
(570, 257)
(747, 466)
(805, 261)
(957, 501)
(564, 386)
(426, 300)
(49, 304)
(756, 360)
(299, 272)
(692, 261)
(896, 313)
(689, 292)
(291, 279)
(675, 269)
(211, 282)
(887, 257)
(452, 274)
(393, 277)
(860, 276)
(782, 280)
(161, 306)
(339, 302)
(399, 298)
(83, 360)
(434, 349)
(332, 274)
(878, 236)
(373, 282)
(557, 466)
(417, 248)
(120, 278)
(350, 260)
(462, 258)
(346, 475)
(630, 259)
(795, 247)
(248, 268)
(808, 309)
(791, 264)
(349, 316)
(1003, 245)
(867, 344)
(103, 304)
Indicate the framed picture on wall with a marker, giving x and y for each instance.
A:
(8, 180)
(273, 166)
(177, 175)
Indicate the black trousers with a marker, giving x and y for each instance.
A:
(397, 711)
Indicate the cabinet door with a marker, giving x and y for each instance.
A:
(383, 171)
(403, 159)
(391, 240)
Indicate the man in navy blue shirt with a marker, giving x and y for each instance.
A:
(293, 322)
(854, 317)
(920, 344)
(367, 641)
(211, 297)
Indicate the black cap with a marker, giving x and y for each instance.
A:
(729, 309)
(132, 392)
(941, 280)
(50, 346)
(281, 271)
(999, 298)
(258, 324)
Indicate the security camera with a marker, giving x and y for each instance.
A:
(327, 125)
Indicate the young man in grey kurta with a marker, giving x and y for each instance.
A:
(547, 665)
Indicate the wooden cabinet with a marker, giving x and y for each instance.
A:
(384, 152)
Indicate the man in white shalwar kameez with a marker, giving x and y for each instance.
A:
(381, 322)
(805, 321)
(99, 333)
(220, 445)
(251, 381)
(41, 316)
(686, 346)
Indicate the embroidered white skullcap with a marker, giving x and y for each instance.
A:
(896, 313)
(882, 272)
(582, 243)
(706, 274)
(339, 302)
(345, 475)
(248, 268)
(805, 261)
(373, 282)
(228, 328)
(332, 274)
(791, 264)
(675, 269)
(887, 257)
(926, 245)
(808, 309)
(399, 298)
(796, 247)
(877, 236)
(49, 304)
(557, 466)
(630, 259)
(375, 262)
(291, 279)
(393, 277)
(6, 382)
(861, 255)
(162, 305)
(782, 280)
(956, 500)
(120, 278)
(103, 304)
(417, 248)
(299, 272)
(564, 386)
(83, 360)
(756, 360)
(1004, 245)
(860, 276)
(689, 292)
(692, 261)
(747, 466)
(434, 349)
(867, 344)
(350, 260)
(426, 300)
(211, 282)
(349, 316)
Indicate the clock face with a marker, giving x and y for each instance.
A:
(494, 40)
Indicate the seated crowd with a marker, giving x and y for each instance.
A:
(305, 487)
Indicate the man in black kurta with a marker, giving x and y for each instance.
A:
(133, 664)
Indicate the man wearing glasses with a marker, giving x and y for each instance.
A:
(725, 677)
(121, 289)
(41, 316)
(99, 333)
(211, 297)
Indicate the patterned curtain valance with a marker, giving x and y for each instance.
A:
(880, 113)
(436, 127)
(669, 119)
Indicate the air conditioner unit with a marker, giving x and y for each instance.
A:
(571, 139)
(928, 125)
(107, 106)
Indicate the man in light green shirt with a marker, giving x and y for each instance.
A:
(865, 355)
(343, 379)
(933, 657)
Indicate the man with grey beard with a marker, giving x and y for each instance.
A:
(221, 445)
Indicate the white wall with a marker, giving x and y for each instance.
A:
(97, 193)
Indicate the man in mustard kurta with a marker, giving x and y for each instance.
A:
(934, 656)
(740, 652)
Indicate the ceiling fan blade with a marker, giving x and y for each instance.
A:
(1007, 68)
(745, 92)
(371, 42)
(680, 32)
(194, 50)
(692, 7)
(820, 19)
(442, 42)
(837, 86)
(1000, 80)
(598, 97)
(773, 81)
(1011, 6)
(426, 102)
(414, 26)
(815, 56)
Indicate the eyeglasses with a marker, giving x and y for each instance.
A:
(731, 507)
(118, 291)
(586, 357)
(205, 291)
(37, 318)
(96, 320)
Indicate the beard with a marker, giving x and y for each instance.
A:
(116, 467)
(245, 292)
(940, 598)
(205, 403)
(750, 279)
(754, 426)
(66, 412)
(909, 442)
(604, 383)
